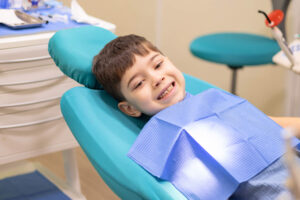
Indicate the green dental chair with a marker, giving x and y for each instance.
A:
(103, 132)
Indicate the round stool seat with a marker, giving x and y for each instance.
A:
(235, 49)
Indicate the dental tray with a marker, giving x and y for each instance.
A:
(17, 19)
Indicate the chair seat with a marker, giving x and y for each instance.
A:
(235, 49)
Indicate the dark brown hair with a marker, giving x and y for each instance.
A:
(115, 58)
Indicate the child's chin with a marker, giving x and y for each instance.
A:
(179, 97)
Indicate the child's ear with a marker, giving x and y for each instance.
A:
(128, 109)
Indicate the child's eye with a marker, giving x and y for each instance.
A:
(138, 85)
(158, 65)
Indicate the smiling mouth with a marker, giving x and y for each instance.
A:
(166, 91)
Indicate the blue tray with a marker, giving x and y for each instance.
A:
(51, 26)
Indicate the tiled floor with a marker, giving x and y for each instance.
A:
(92, 186)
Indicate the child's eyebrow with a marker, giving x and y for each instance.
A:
(131, 80)
(149, 62)
(152, 58)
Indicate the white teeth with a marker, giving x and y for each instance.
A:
(166, 91)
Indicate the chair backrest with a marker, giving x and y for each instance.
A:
(103, 132)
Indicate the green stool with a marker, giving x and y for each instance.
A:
(235, 50)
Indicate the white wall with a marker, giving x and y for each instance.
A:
(182, 21)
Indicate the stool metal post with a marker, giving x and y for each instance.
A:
(234, 78)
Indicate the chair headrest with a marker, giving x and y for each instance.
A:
(73, 51)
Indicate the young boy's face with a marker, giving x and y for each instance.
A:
(150, 85)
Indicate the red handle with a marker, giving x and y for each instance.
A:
(276, 17)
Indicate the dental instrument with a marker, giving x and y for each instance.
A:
(289, 57)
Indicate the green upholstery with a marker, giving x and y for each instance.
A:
(235, 49)
(73, 51)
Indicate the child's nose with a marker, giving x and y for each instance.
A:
(158, 81)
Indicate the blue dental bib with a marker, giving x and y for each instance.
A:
(206, 145)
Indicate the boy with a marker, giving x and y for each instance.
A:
(128, 67)
(140, 77)
(144, 81)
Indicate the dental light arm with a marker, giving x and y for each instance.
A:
(277, 34)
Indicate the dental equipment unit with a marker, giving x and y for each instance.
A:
(289, 57)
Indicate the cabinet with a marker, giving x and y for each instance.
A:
(31, 86)
(30, 89)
